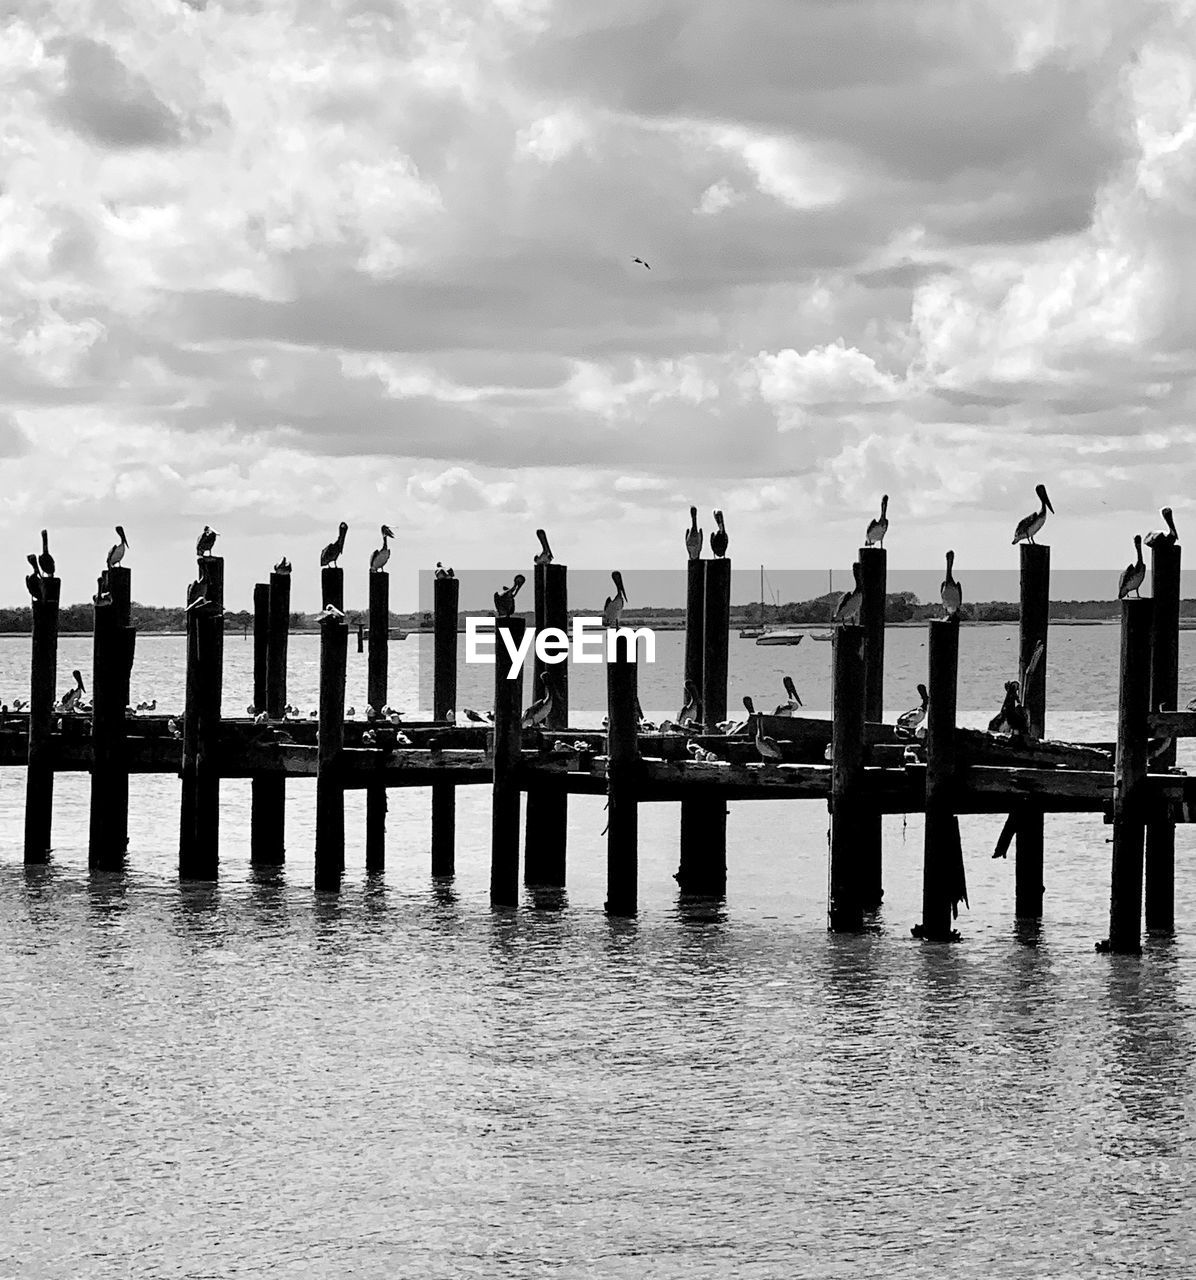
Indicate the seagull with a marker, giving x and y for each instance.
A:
(172, 727)
(332, 552)
(545, 556)
(46, 560)
(382, 555)
(504, 600)
(330, 613)
(70, 699)
(33, 581)
(283, 566)
(909, 720)
(1029, 525)
(718, 539)
(1133, 575)
(848, 608)
(693, 536)
(875, 536)
(206, 541)
(642, 263)
(117, 554)
(538, 713)
(476, 717)
(950, 591)
(789, 708)
(612, 610)
(1153, 539)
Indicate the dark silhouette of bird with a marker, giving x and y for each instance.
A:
(1012, 717)
(612, 609)
(642, 263)
(950, 591)
(1029, 525)
(545, 556)
(379, 558)
(206, 541)
(117, 554)
(693, 536)
(1152, 539)
(537, 714)
(504, 600)
(718, 539)
(909, 720)
(33, 581)
(46, 560)
(875, 535)
(332, 552)
(70, 699)
(283, 566)
(850, 602)
(1133, 575)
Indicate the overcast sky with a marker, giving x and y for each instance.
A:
(269, 265)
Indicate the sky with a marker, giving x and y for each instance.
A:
(271, 265)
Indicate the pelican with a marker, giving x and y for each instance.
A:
(768, 748)
(1133, 575)
(691, 708)
(789, 708)
(848, 608)
(1029, 525)
(382, 555)
(70, 699)
(612, 610)
(911, 719)
(102, 595)
(950, 591)
(875, 536)
(693, 536)
(117, 554)
(330, 613)
(1152, 539)
(332, 552)
(538, 713)
(545, 556)
(46, 560)
(206, 541)
(33, 581)
(283, 566)
(195, 596)
(504, 600)
(1012, 715)
(441, 571)
(718, 539)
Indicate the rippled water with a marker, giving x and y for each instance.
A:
(253, 1079)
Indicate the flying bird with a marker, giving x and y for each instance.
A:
(1152, 539)
(332, 552)
(382, 555)
(850, 602)
(1029, 525)
(46, 560)
(718, 539)
(875, 535)
(642, 263)
(206, 541)
(1133, 575)
(612, 609)
(909, 720)
(504, 600)
(545, 556)
(950, 591)
(117, 554)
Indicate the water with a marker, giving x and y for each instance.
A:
(252, 1079)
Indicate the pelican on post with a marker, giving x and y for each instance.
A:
(283, 566)
(909, 720)
(206, 541)
(848, 608)
(33, 581)
(1156, 537)
(693, 536)
(718, 539)
(950, 591)
(1133, 575)
(1029, 525)
(545, 555)
(504, 600)
(612, 610)
(875, 535)
(73, 696)
(332, 552)
(117, 554)
(46, 561)
(382, 555)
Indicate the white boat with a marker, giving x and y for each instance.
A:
(821, 635)
(781, 635)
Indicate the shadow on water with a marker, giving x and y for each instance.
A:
(696, 910)
(547, 897)
(39, 877)
(107, 895)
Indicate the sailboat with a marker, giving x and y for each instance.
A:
(770, 635)
(754, 633)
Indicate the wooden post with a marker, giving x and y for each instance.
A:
(39, 777)
(361, 637)
(693, 811)
(622, 783)
(1129, 780)
(546, 828)
(849, 821)
(941, 857)
(261, 642)
(508, 712)
(330, 791)
(446, 594)
(211, 656)
(1164, 690)
(269, 793)
(1032, 631)
(874, 579)
(108, 838)
(377, 694)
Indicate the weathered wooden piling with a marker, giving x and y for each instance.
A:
(269, 794)
(547, 823)
(330, 740)
(874, 580)
(1129, 779)
(851, 824)
(261, 642)
(199, 800)
(1164, 690)
(693, 811)
(112, 658)
(941, 854)
(377, 696)
(508, 713)
(39, 777)
(446, 594)
(622, 779)
(1033, 629)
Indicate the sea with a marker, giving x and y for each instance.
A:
(250, 1078)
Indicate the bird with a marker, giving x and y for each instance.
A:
(848, 608)
(172, 727)
(909, 720)
(693, 536)
(46, 560)
(1029, 525)
(1012, 717)
(262, 717)
(789, 708)
(382, 555)
(642, 263)
(612, 610)
(195, 596)
(332, 552)
(368, 738)
(1153, 539)
(476, 717)
(1133, 575)
(691, 708)
(441, 571)
(117, 554)
(330, 613)
(70, 699)
(102, 596)
(768, 748)
(950, 591)
(545, 556)
(206, 541)
(700, 753)
(33, 581)
(718, 539)
(504, 600)
(538, 713)
(283, 566)
(875, 535)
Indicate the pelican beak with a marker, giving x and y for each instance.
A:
(1048, 502)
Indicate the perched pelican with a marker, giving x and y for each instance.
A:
(848, 608)
(718, 539)
(504, 600)
(875, 535)
(441, 571)
(693, 536)
(70, 699)
(1029, 525)
(206, 541)
(1012, 716)
(33, 581)
(102, 595)
(330, 613)
(642, 263)
(612, 610)
(283, 566)
(768, 748)
(691, 708)
(1152, 539)
(1133, 575)
(382, 555)
(791, 707)
(538, 713)
(195, 596)
(46, 560)
(911, 719)
(545, 556)
(950, 591)
(332, 552)
(117, 554)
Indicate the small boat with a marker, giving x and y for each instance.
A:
(821, 635)
(781, 635)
